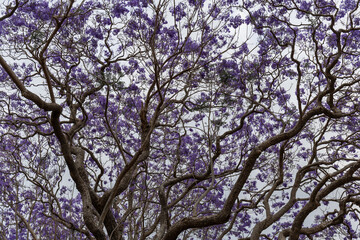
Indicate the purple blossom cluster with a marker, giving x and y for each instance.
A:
(138, 119)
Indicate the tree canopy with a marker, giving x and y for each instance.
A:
(191, 119)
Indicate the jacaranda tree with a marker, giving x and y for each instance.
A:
(192, 119)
